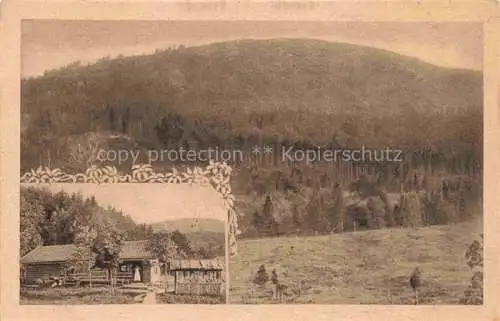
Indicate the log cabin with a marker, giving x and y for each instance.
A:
(50, 261)
(197, 277)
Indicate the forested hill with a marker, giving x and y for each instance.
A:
(259, 75)
(235, 94)
(292, 93)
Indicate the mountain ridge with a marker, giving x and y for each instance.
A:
(258, 72)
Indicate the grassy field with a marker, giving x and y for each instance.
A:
(364, 267)
(170, 298)
(71, 296)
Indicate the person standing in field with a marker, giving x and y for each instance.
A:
(274, 281)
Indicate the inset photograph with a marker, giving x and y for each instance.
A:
(122, 244)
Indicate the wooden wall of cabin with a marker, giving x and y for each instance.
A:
(201, 275)
(35, 271)
(198, 282)
(146, 271)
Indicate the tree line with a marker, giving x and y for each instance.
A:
(364, 204)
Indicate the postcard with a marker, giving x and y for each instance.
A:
(250, 160)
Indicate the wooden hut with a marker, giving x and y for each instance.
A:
(45, 261)
(50, 261)
(197, 277)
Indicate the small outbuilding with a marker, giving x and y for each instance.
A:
(198, 277)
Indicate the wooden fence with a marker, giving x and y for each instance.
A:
(211, 288)
(97, 277)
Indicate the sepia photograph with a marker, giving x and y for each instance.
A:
(121, 244)
(356, 148)
(379, 200)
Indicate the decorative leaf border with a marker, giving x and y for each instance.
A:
(216, 174)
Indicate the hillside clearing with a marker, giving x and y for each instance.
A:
(365, 267)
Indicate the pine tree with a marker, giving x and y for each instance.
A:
(389, 213)
(107, 245)
(31, 217)
(82, 260)
(268, 224)
(296, 220)
(257, 222)
(112, 119)
(337, 210)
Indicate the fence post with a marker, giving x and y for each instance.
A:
(90, 267)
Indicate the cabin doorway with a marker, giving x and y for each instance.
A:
(135, 269)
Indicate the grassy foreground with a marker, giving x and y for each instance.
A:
(71, 296)
(170, 298)
(364, 267)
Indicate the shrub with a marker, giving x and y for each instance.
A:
(377, 210)
(410, 210)
(261, 276)
(474, 256)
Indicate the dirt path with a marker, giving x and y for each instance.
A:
(150, 298)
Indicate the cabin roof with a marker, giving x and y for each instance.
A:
(49, 253)
(62, 253)
(136, 250)
(214, 264)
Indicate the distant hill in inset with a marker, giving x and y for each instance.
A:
(186, 226)
(208, 237)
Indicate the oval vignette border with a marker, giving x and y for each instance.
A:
(215, 174)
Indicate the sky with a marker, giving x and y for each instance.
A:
(150, 203)
(48, 44)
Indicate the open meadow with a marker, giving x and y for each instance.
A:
(364, 267)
